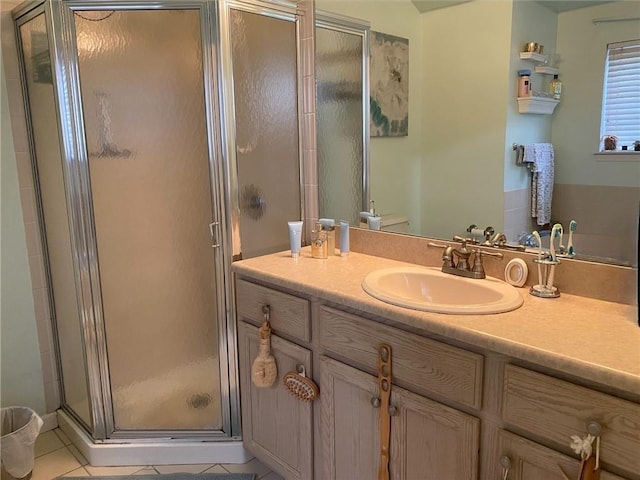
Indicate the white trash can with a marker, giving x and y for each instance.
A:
(20, 427)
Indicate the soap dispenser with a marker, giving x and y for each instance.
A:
(319, 247)
(329, 226)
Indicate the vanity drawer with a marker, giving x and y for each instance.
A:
(288, 314)
(555, 410)
(425, 364)
(531, 461)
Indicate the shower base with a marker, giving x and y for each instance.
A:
(151, 452)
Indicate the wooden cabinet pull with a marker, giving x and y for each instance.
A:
(384, 386)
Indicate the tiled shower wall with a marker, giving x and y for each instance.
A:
(517, 213)
(27, 192)
(602, 230)
(310, 171)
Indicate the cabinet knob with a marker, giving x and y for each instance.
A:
(393, 410)
(506, 465)
(375, 401)
(594, 429)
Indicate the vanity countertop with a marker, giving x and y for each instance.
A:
(591, 339)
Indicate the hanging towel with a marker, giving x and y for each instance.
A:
(540, 157)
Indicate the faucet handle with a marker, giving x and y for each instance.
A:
(479, 254)
(465, 241)
(447, 256)
(478, 266)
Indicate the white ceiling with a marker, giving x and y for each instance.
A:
(555, 5)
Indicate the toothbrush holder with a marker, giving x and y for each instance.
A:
(545, 288)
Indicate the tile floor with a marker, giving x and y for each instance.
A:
(56, 456)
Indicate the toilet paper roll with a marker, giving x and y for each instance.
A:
(477, 231)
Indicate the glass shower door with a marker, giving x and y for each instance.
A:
(143, 101)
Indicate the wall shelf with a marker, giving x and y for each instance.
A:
(539, 105)
(546, 70)
(536, 57)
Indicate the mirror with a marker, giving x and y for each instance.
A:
(456, 167)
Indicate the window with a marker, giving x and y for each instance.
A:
(621, 96)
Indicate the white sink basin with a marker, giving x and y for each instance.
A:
(430, 290)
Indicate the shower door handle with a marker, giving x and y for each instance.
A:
(214, 236)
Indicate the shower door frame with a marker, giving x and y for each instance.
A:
(359, 28)
(64, 63)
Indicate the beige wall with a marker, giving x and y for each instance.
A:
(576, 123)
(600, 192)
(466, 92)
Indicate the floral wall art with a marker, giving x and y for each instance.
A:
(389, 77)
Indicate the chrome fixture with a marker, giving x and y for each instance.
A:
(456, 260)
(499, 240)
(487, 232)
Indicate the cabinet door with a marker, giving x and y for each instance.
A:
(428, 439)
(276, 426)
(349, 422)
(432, 441)
(531, 461)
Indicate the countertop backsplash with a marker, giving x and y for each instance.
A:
(610, 283)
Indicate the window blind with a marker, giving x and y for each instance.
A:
(621, 96)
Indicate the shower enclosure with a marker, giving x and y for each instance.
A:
(144, 202)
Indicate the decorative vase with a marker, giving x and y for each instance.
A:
(610, 142)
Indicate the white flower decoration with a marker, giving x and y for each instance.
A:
(582, 446)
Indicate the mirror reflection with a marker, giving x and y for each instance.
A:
(457, 166)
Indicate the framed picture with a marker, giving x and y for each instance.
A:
(389, 90)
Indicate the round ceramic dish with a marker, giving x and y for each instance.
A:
(516, 271)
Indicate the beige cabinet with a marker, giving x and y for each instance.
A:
(348, 422)
(440, 395)
(553, 410)
(522, 459)
(428, 439)
(276, 426)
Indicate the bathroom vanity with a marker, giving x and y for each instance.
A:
(472, 396)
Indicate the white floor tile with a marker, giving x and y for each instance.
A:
(54, 464)
(77, 455)
(47, 442)
(271, 476)
(129, 470)
(216, 469)
(79, 472)
(252, 466)
(69, 461)
(147, 471)
(182, 468)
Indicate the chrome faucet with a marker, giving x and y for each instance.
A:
(455, 260)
